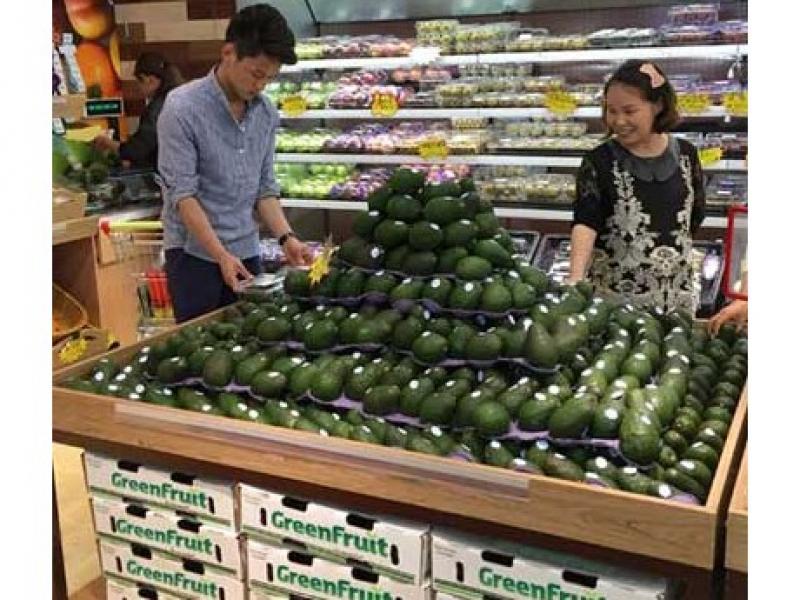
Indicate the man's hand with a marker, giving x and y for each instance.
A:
(297, 253)
(234, 273)
(736, 311)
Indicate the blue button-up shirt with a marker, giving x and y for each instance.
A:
(227, 165)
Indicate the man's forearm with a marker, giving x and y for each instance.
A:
(196, 221)
(270, 213)
(582, 242)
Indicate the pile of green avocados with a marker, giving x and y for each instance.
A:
(576, 388)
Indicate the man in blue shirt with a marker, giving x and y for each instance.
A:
(216, 139)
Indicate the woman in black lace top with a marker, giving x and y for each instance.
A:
(640, 197)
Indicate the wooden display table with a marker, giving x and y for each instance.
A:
(644, 533)
(736, 538)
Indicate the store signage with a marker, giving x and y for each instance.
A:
(709, 156)
(103, 107)
(294, 106)
(432, 149)
(735, 103)
(384, 105)
(693, 103)
(560, 103)
(322, 263)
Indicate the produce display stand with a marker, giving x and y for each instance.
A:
(671, 539)
(736, 538)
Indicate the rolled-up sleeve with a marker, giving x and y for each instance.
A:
(268, 185)
(177, 154)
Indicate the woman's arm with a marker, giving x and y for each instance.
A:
(590, 212)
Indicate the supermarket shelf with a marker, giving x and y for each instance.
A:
(652, 53)
(480, 159)
(508, 212)
(583, 112)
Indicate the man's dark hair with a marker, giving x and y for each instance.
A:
(630, 74)
(261, 29)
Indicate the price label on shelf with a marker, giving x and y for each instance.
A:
(560, 103)
(294, 105)
(735, 103)
(693, 104)
(709, 156)
(434, 148)
(384, 105)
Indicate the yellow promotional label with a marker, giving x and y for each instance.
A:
(709, 156)
(384, 105)
(433, 149)
(735, 103)
(73, 351)
(692, 104)
(294, 106)
(560, 103)
(322, 263)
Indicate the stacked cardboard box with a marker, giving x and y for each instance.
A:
(164, 534)
(304, 548)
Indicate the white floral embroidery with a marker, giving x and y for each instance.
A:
(632, 268)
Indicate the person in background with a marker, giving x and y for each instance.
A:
(640, 197)
(156, 77)
(216, 140)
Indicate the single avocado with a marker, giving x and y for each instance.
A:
(437, 290)
(460, 233)
(247, 368)
(573, 418)
(436, 190)
(438, 408)
(488, 225)
(420, 263)
(273, 329)
(269, 384)
(492, 251)
(391, 233)
(523, 295)
(327, 386)
(382, 399)
(496, 298)
(473, 268)
(296, 282)
(365, 222)
(540, 348)
(406, 331)
(320, 335)
(172, 369)
(425, 236)
(350, 284)
(445, 210)
(409, 289)
(449, 257)
(413, 394)
(406, 181)
(430, 348)
(484, 346)
(458, 338)
(218, 369)
(396, 257)
(639, 438)
(377, 200)
(557, 465)
(403, 208)
(534, 414)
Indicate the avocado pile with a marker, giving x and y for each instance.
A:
(639, 402)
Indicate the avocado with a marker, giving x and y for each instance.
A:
(251, 365)
(514, 397)
(534, 414)
(603, 467)
(420, 263)
(406, 181)
(465, 295)
(445, 210)
(496, 298)
(473, 268)
(438, 408)
(251, 321)
(513, 341)
(449, 257)
(326, 386)
(717, 413)
(488, 225)
(350, 284)
(406, 331)
(557, 465)
(497, 455)
(639, 366)
(391, 234)
(439, 325)
(191, 399)
(409, 289)
(533, 276)
(419, 443)
(606, 421)
(631, 480)
(711, 437)
(569, 334)
(430, 347)
(273, 329)
(352, 248)
(299, 381)
(382, 399)
(361, 379)
(538, 452)
(540, 348)
(573, 417)
(396, 257)
(639, 437)
(320, 335)
(413, 394)
(484, 346)
(269, 384)
(436, 190)
(704, 453)
(377, 200)
(365, 222)
(401, 374)
(460, 233)
(443, 441)
(492, 251)
(297, 283)
(403, 207)
(523, 295)
(425, 236)
(437, 290)
(218, 369)
(173, 369)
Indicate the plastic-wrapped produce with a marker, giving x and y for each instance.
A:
(690, 34)
(733, 32)
(693, 14)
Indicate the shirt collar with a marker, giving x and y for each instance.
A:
(216, 90)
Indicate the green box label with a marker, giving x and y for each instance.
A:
(341, 588)
(171, 537)
(336, 535)
(528, 589)
(163, 491)
(174, 579)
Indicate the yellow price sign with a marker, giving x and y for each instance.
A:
(322, 263)
(735, 103)
(435, 148)
(384, 105)
(560, 103)
(73, 351)
(294, 105)
(693, 104)
(709, 156)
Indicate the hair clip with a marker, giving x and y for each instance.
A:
(656, 78)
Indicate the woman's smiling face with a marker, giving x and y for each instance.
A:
(629, 115)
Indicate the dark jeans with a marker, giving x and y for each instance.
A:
(196, 286)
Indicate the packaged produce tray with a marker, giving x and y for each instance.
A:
(378, 478)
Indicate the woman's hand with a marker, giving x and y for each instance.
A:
(736, 311)
(106, 144)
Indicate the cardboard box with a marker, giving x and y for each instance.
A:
(278, 570)
(208, 498)
(467, 567)
(122, 589)
(174, 532)
(168, 573)
(398, 549)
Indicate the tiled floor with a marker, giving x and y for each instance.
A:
(81, 561)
